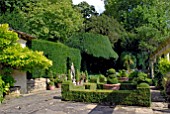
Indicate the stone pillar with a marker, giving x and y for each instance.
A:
(152, 69)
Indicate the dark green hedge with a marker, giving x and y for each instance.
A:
(140, 97)
(128, 86)
(93, 44)
(60, 54)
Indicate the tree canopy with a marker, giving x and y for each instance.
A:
(54, 20)
(106, 26)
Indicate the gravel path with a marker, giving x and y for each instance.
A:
(49, 102)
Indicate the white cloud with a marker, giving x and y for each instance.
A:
(99, 4)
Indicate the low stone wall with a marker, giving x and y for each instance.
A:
(36, 84)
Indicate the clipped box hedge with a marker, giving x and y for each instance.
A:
(140, 97)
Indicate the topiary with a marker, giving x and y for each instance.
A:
(113, 80)
(145, 85)
(111, 76)
(111, 71)
(102, 79)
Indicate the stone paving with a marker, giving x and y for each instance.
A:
(49, 102)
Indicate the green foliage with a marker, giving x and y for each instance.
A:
(139, 97)
(145, 85)
(164, 66)
(87, 75)
(69, 75)
(86, 9)
(112, 80)
(9, 80)
(105, 25)
(122, 73)
(139, 77)
(54, 20)
(111, 76)
(51, 83)
(93, 44)
(128, 60)
(2, 89)
(102, 79)
(77, 75)
(13, 55)
(111, 71)
(91, 86)
(61, 55)
(60, 78)
(94, 79)
(135, 13)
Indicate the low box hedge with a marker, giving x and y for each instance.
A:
(140, 97)
(91, 86)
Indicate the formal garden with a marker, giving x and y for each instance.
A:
(94, 58)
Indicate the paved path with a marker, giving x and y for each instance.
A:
(49, 102)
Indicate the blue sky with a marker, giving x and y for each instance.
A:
(99, 4)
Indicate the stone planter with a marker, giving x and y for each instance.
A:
(123, 79)
(111, 86)
(51, 87)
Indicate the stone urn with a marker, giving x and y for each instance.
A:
(123, 79)
(111, 86)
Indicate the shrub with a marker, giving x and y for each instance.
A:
(139, 77)
(102, 79)
(94, 79)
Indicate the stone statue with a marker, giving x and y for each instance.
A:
(73, 74)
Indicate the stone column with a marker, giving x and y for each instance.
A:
(152, 69)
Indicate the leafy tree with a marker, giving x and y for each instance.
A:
(14, 56)
(146, 23)
(54, 20)
(106, 26)
(86, 9)
(135, 13)
(128, 60)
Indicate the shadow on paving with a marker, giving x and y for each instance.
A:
(102, 109)
(57, 97)
(163, 110)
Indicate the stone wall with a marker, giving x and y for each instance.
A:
(36, 84)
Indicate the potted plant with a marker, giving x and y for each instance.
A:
(123, 76)
(112, 80)
(59, 80)
(51, 85)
